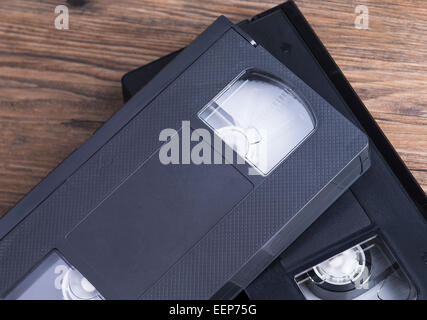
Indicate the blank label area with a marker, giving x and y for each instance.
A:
(153, 219)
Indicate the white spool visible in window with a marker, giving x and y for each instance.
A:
(261, 118)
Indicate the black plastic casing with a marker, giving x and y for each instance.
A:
(137, 229)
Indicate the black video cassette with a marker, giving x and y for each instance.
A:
(192, 189)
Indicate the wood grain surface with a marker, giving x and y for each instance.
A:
(58, 86)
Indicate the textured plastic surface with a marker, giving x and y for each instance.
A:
(246, 239)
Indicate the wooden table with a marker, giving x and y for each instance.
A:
(58, 86)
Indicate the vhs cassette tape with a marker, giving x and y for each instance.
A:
(129, 226)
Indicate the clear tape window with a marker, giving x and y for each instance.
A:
(54, 279)
(366, 271)
(261, 118)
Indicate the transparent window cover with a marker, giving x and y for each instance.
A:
(54, 279)
(259, 117)
(366, 271)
